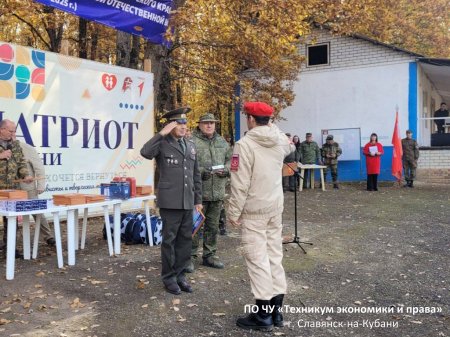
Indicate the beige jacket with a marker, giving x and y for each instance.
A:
(35, 168)
(256, 182)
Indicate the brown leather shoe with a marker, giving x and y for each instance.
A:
(172, 288)
(184, 286)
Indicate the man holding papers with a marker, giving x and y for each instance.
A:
(214, 155)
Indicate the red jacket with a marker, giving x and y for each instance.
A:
(373, 163)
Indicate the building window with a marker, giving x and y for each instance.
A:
(318, 54)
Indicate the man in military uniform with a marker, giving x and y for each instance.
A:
(330, 153)
(310, 154)
(12, 165)
(214, 154)
(410, 156)
(179, 191)
(256, 204)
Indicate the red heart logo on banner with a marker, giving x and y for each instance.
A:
(109, 81)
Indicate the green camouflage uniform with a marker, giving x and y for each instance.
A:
(310, 154)
(410, 157)
(331, 163)
(14, 168)
(10, 170)
(211, 152)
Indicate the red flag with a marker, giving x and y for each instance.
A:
(397, 152)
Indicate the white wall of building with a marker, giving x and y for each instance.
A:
(351, 52)
(360, 88)
(363, 98)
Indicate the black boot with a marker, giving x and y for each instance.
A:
(277, 317)
(262, 320)
(411, 183)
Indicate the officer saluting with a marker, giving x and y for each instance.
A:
(179, 191)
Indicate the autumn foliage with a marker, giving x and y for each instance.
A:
(219, 44)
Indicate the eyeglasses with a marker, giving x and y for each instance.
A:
(181, 121)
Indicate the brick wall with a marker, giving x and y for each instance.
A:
(434, 166)
(351, 52)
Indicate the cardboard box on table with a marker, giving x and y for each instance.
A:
(69, 199)
(144, 190)
(14, 194)
(91, 198)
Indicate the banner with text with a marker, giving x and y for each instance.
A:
(147, 18)
(87, 120)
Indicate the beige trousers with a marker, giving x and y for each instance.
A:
(263, 252)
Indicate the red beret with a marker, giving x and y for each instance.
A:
(258, 109)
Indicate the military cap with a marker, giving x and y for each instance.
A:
(330, 137)
(308, 134)
(258, 109)
(177, 114)
(209, 117)
(409, 131)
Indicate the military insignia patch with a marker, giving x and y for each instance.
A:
(234, 162)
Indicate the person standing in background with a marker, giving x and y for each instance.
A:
(36, 170)
(442, 112)
(310, 154)
(290, 161)
(298, 154)
(330, 153)
(410, 156)
(373, 152)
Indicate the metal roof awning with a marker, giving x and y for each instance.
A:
(438, 71)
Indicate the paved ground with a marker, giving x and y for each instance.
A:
(386, 250)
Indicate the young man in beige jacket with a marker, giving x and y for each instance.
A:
(256, 204)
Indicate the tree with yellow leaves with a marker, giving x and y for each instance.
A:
(219, 44)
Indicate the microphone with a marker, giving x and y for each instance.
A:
(8, 147)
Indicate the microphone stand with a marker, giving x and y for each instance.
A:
(296, 237)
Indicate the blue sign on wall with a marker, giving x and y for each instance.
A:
(146, 18)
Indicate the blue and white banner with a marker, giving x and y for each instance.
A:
(146, 18)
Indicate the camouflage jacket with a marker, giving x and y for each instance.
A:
(310, 152)
(410, 149)
(211, 152)
(330, 149)
(14, 168)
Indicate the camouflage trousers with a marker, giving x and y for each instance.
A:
(210, 229)
(333, 169)
(409, 166)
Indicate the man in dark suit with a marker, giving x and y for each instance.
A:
(442, 112)
(179, 191)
